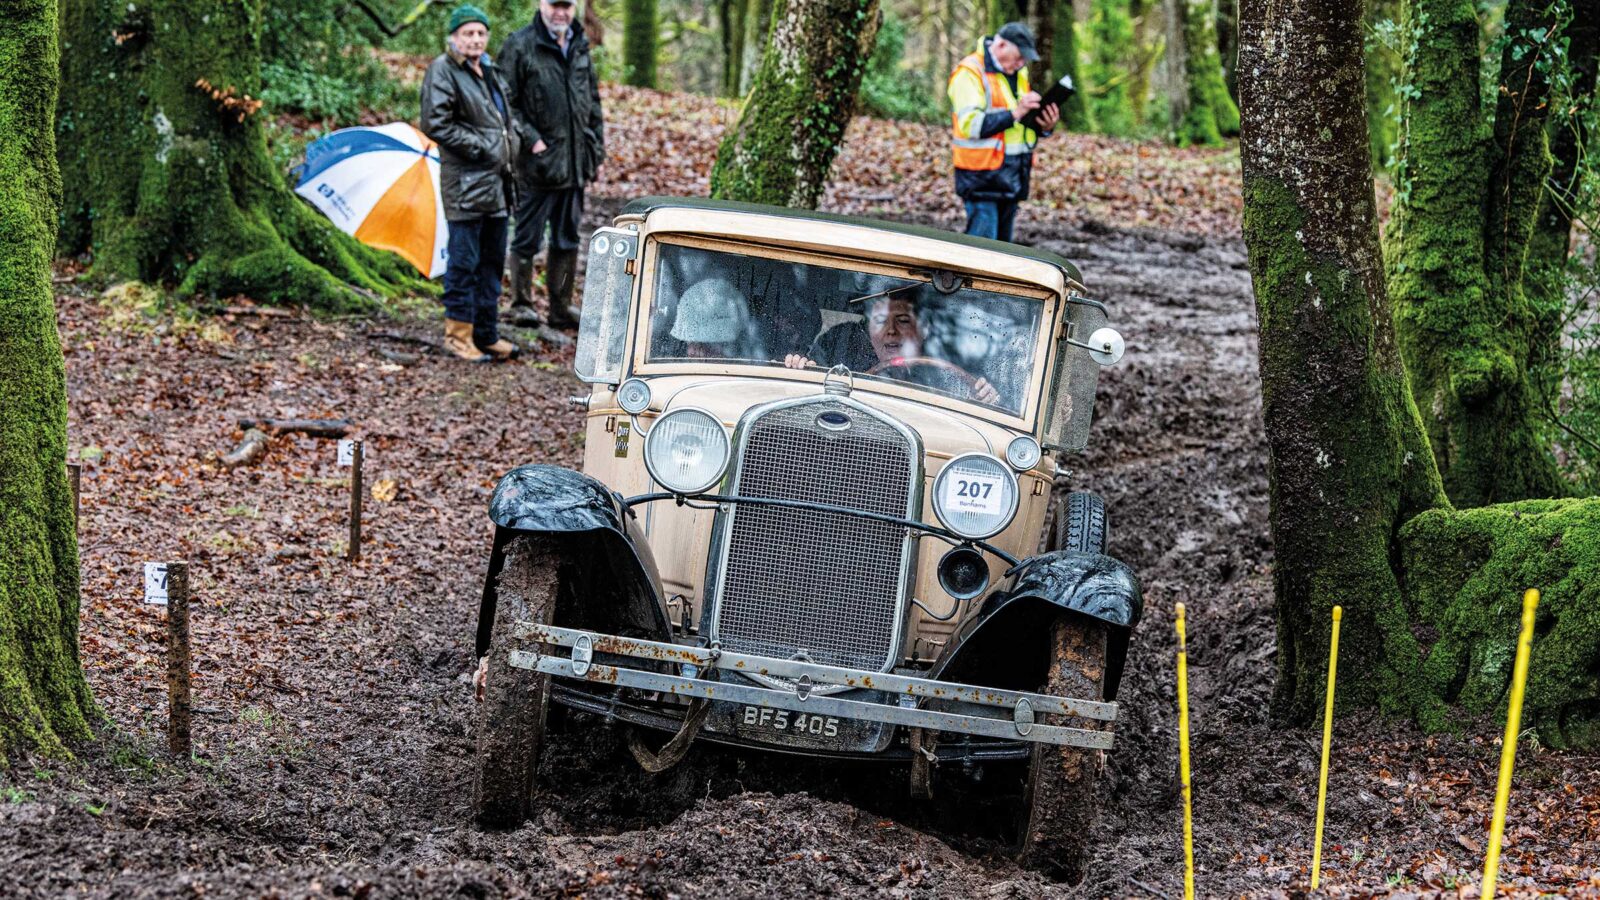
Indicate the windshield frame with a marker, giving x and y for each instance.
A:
(639, 337)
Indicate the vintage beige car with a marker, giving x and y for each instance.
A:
(814, 493)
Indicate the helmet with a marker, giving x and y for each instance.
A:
(710, 312)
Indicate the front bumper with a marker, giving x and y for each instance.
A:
(908, 701)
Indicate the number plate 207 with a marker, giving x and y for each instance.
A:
(791, 722)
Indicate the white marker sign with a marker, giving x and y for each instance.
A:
(974, 492)
(347, 452)
(155, 584)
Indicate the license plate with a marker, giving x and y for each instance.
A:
(783, 720)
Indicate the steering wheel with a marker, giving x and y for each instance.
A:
(945, 375)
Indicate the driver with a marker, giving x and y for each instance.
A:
(892, 337)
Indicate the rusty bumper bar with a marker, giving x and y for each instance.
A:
(964, 709)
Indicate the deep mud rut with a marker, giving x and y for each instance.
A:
(334, 741)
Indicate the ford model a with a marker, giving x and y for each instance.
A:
(809, 518)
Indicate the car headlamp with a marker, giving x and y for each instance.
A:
(686, 451)
(975, 496)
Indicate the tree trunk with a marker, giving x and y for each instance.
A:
(44, 700)
(1463, 217)
(758, 29)
(795, 117)
(1228, 44)
(165, 161)
(1112, 59)
(639, 33)
(1210, 113)
(1143, 60)
(731, 16)
(1075, 114)
(1348, 458)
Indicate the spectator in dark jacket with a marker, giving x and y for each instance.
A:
(465, 110)
(556, 96)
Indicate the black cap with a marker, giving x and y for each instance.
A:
(1020, 35)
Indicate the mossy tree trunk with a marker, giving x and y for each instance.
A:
(795, 118)
(1075, 115)
(44, 700)
(1144, 59)
(1348, 460)
(165, 165)
(640, 32)
(731, 17)
(1209, 113)
(1228, 44)
(1359, 516)
(1464, 216)
(758, 29)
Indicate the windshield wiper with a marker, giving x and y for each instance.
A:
(890, 291)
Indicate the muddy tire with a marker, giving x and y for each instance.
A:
(1062, 795)
(1081, 524)
(511, 718)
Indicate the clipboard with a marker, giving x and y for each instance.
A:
(1059, 93)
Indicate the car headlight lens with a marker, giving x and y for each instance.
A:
(686, 451)
(1023, 452)
(975, 496)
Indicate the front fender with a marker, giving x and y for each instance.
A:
(609, 575)
(1004, 645)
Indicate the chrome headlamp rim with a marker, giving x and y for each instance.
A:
(1023, 452)
(633, 396)
(719, 429)
(999, 467)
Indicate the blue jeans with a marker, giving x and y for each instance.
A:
(991, 218)
(472, 276)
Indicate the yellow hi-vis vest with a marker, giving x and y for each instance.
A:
(974, 94)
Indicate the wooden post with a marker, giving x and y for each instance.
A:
(355, 503)
(75, 475)
(178, 696)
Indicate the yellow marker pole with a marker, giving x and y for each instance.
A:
(1327, 741)
(1183, 757)
(1508, 749)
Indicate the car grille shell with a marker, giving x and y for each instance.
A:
(825, 586)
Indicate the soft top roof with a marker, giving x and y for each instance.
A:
(645, 205)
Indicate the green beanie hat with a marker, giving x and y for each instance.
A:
(465, 13)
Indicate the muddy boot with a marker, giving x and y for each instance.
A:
(559, 277)
(522, 314)
(458, 341)
(501, 350)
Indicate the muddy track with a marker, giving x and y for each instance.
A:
(335, 736)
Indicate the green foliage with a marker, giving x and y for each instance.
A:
(319, 64)
(889, 89)
(1210, 114)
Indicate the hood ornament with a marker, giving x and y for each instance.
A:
(839, 382)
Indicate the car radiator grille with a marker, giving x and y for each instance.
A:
(826, 584)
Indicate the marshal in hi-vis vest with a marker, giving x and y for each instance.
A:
(974, 93)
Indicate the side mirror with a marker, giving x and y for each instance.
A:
(1106, 346)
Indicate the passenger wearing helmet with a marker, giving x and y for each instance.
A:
(713, 322)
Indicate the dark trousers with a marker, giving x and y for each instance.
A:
(472, 277)
(991, 218)
(560, 210)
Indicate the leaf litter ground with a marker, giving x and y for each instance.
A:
(334, 721)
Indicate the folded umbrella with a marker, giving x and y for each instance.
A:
(380, 185)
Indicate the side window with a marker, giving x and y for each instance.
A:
(607, 293)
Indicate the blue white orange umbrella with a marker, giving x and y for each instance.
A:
(381, 185)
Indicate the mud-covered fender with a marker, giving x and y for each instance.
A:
(1005, 644)
(609, 577)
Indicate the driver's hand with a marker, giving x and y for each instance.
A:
(797, 361)
(985, 392)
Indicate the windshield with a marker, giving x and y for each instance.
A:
(712, 305)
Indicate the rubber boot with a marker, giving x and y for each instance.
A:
(559, 277)
(522, 313)
(458, 341)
